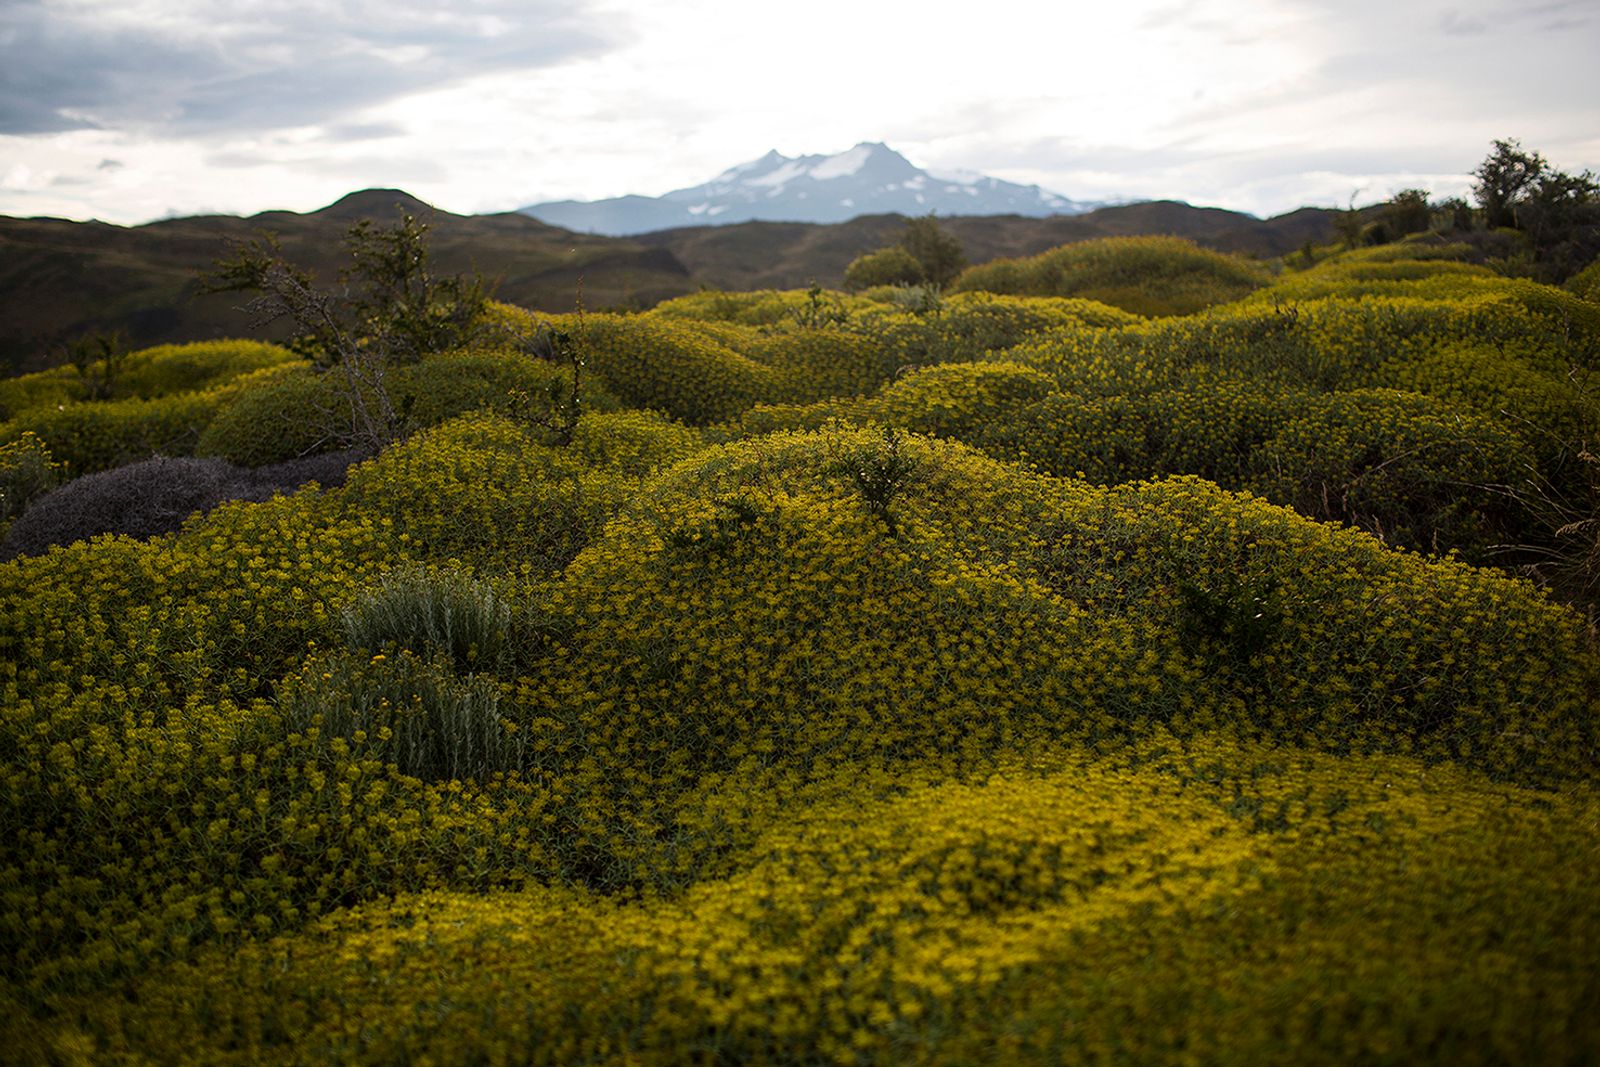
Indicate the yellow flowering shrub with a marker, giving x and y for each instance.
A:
(1185, 900)
(813, 364)
(749, 730)
(761, 307)
(97, 435)
(656, 362)
(484, 489)
(1143, 275)
(959, 399)
(1211, 428)
(306, 410)
(1586, 283)
(146, 373)
(1416, 471)
(26, 471)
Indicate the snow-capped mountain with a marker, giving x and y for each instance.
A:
(868, 179)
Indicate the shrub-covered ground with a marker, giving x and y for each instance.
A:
(870, 679)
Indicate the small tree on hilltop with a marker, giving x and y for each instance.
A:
(937, 249)
(1407, 212)
(1504, 180)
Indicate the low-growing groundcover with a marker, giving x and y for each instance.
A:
(846, 743)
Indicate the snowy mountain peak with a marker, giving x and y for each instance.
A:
(870, 178)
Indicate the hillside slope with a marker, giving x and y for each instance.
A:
(59, 279)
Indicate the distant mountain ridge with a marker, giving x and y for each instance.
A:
(869, 179)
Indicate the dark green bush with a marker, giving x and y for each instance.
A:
(27, 471)
(1414, 470)
(886, 266)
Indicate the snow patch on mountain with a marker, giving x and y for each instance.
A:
(842, 165)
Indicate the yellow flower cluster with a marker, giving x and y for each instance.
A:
(1180, 901)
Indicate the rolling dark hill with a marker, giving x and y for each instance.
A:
(785, 255)
(60, 279)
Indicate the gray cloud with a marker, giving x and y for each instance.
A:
(346, 132)
(238, 67)
(1455, 24)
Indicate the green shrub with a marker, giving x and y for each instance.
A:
(817, 364)
(303, 411)
(886, 266)
(960, 399)
(654, 362)
(147, 373)
(633, 444)
(1416, 471)
(1586, 283)
(1210, 429)
(759, 307)
(413, 712)
(488, 491)
(1144, 275)
(27, 471)
(89, 437)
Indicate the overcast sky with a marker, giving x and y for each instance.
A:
(130, 110)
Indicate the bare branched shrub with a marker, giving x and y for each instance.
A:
(389, 311)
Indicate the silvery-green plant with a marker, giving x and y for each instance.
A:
(414, 712)
(433, 611)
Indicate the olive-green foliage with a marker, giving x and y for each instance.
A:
(432, 612)
(1586, 283)
(1144, 275)
(959, 399)
(27, 471)
(655, 362)
(87, 437)
(1327, 910)
(969, 325)
(1211, 429)
(485, 489)
(745, 646)
(633, 444)
(147, 373)
(1417, 471)
(303, 410)
(770, 418)
(851, 745)
(936, 250)
(761, 307)
(886, 266)
(294, 413)
(814, 365)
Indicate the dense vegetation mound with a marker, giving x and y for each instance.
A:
(801, 678)
(1144, 275)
